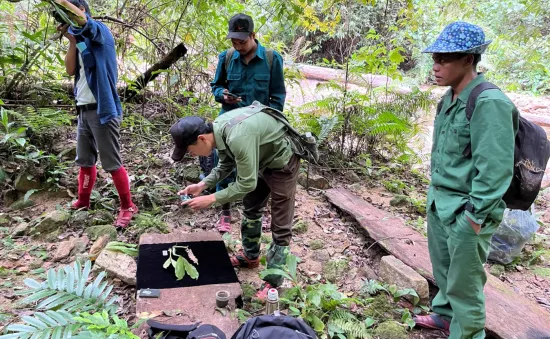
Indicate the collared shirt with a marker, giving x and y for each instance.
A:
(252, 81)
(251, 145)
(96, 46)
(483, 178)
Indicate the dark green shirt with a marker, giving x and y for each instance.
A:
(251, 145)
(483, 178)
(252, 82)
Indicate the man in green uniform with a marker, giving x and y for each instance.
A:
(255, 143)
(252, 73)
(465, 203)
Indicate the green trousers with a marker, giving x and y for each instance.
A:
(458, 254)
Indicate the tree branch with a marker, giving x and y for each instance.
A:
(175, 54)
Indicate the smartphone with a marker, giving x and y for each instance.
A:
(149, 293)
(185, 197)
(231, 95)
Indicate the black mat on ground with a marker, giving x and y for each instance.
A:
(214, 265)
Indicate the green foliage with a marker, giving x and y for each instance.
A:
(147, 223)
(42, 119)
(74, 309)
(333, 314)
(54, 324)
(182, 266)
(117, 246)
(519, 56)
(300, 227)
(316, 244)
(11, 136)
(104, 325)
(230, 243)
(67, 289)
(372, 287)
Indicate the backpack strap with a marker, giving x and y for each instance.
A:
(228, 57)
(439, 106)
(269, 55)
(231, 51)
(471, 106)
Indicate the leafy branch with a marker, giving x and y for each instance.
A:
(182, 265)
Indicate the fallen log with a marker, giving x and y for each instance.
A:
(509, 315)
(331, 74)
(174, 55)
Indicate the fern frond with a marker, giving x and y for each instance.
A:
(54, 324)
(346, 322)
(66, 289)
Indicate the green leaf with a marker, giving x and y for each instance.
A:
(190, 269)
(315, 298)
(32, 283)
(21, 328)
(34, 322)
(57, 332)
(369, 322)
(274, 271)
(46, 319)
(39, 295)
(292, 264)
(29, 193)
(21, 141)
(294, 311)
(316, 323)
(167, 263)
(52, 279)
(180, 268)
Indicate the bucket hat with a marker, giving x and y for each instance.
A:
(460, 37)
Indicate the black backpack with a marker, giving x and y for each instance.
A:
(274, 327)
(158, 330)
(531, 154)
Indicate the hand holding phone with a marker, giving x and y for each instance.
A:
(231, 98)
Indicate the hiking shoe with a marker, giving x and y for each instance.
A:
(125, 216)
(240, 260)
(224, 224)
(434, 322)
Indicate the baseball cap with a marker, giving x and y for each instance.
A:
(185, 132)
(240, 27)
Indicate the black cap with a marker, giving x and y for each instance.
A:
(240, 27)
(185, 132)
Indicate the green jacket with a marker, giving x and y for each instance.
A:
(483, 178)
(250, 145)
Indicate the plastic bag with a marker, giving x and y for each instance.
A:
(515, 230)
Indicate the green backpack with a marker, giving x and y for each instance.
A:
(303, 145)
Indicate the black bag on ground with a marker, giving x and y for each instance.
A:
(158, 330)
(531, 154)
(274, 327)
